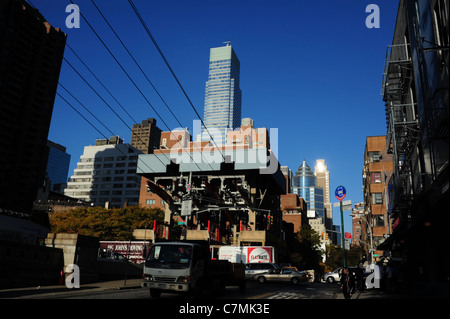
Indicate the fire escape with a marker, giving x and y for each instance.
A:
(402, 128)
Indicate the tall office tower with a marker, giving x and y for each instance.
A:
(146, 136)
(304, 184)
(323, 181)
(57, 166)
(105, 173)
(31, 52)
(223, 95)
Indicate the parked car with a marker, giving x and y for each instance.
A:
(252, 269)
(283, 275)
(334, 276)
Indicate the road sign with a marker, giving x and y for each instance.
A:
(346, 205)
(340, 193)
(347, 244)
(348, 235)
(186, 205)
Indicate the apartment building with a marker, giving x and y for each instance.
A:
(415, 90)
(377, 170)
(31, 53)
(106, 174)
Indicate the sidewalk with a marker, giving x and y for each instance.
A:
(373, 294)
(23, 293)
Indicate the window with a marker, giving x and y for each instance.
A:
(377, 198)
(150, 201)
(374, 157)
(375, 177)
(378, 221)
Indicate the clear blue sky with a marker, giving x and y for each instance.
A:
(311, 69)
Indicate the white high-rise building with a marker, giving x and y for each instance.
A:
(106, 173)
(223, 95)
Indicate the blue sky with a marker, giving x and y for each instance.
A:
(311, 69)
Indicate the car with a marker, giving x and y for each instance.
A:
(252, 269)
(333, 276)
(283, 275)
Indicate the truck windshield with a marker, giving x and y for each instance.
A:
(169, 256)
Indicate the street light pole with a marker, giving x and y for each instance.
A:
(342, 234)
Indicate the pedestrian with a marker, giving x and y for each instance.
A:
(347, 283)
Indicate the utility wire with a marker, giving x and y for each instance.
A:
(148, 80)
(120, 65)
(136, 11)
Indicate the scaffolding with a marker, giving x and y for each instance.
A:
(401, 121)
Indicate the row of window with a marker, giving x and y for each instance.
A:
(153, 201)
(107, 159)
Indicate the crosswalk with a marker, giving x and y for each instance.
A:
(289, 295)
(305, 294)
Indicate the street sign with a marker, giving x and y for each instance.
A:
(347, 244)
(340, 193)
(348, 235)
(186, 205)
(346, 205)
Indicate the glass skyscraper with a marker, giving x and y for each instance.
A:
(304, 184)
(223, 95)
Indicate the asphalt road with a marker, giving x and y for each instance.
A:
(131, 290)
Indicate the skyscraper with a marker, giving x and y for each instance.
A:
(323, 180)
(223, 95)
(57, 166)
(31, 53)
(304, 184)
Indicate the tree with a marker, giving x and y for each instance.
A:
(335, 257)
(106, 224)
(304, 252)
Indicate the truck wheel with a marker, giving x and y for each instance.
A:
(295, 281)
(261, 279)
(155, 293)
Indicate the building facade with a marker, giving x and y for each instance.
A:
(146, 136)
(31, 53)
(57, 166)
(223, 96)
(106, 174)
(377, 170)
(304, 184)
(323, 181)
(416, 92)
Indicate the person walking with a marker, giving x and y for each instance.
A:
(347, 283)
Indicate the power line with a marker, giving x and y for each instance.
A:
(145, 75)
(136, 11)
(137, 64)
(120, 65)
(127, 74)
(90, 123)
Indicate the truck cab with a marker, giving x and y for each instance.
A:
(185, 267)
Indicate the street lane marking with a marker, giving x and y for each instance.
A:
(261, 296)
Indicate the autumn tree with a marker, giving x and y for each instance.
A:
(106, 224)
